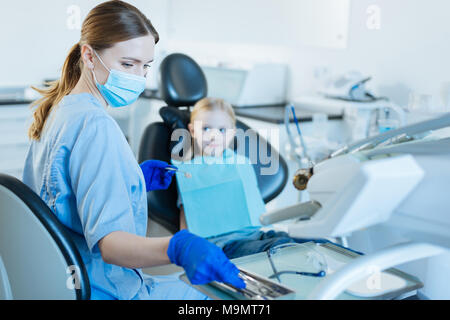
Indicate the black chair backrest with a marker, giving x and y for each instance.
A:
(59, 234)
(183, 83)
(157, 144)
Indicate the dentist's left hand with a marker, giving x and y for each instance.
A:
(156, 176)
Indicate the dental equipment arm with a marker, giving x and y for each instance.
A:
(301, 211)
(303, 159)
(350, 194)
(357, 192)
(289, 133)
(417, 128)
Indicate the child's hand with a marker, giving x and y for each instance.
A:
(156, 175)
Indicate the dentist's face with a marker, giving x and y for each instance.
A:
(132, 56)
(213, 131)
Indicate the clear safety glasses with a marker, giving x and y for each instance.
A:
(296, 259)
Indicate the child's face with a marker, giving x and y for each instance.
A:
(212, 131)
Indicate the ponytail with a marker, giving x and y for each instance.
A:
(57, 90)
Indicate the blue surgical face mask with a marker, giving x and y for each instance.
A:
(121, 89)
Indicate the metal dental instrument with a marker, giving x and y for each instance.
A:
(186, 174)
(258, 288)
(303, 158)
(261, 288)
(305, 150)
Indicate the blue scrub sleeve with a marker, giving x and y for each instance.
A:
(99, 182)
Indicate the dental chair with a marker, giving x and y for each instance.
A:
(182, 84)
(38, 260)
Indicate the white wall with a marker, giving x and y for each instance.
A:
(409, 52)
(269, 22)
(36, 36)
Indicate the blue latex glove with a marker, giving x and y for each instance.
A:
(156, 176)
(203, 261)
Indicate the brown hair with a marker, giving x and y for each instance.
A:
(107, 24)
(210, 104)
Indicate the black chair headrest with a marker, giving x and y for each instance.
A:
(182, 81)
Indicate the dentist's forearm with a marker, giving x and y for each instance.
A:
(134, 252)
(183, 224)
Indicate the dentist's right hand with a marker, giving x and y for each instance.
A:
(203, 261)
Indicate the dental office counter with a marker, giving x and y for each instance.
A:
(6, 103)
(275, 114)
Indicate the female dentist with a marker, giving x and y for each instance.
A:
(83, 168)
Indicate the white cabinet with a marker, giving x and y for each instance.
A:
(14, 143)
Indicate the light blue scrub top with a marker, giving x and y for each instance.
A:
(85, 171)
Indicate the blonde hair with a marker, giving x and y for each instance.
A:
(108, 23)
(212, 104)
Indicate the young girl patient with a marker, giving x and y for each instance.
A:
(218, 191)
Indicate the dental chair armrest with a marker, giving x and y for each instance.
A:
(301, 211)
